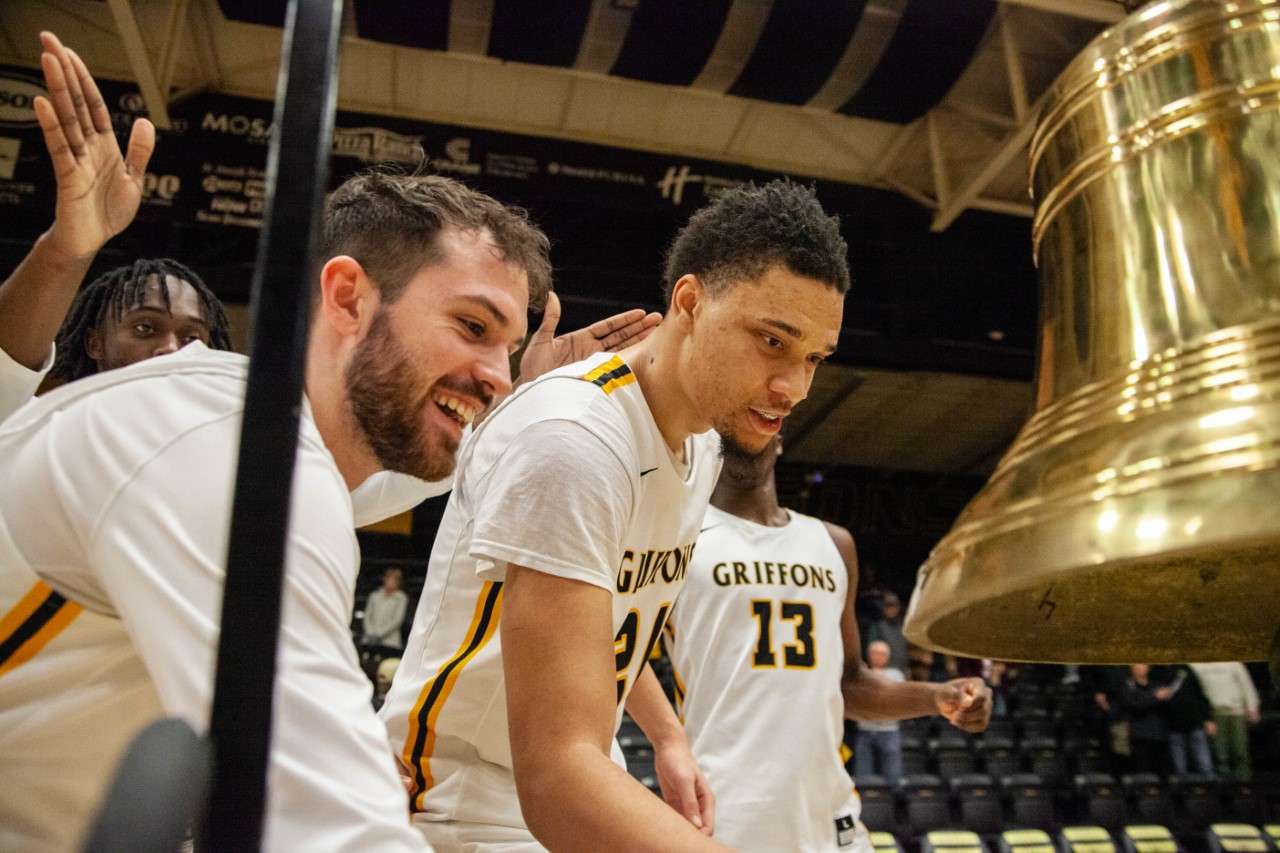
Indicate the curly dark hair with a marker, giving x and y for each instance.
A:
(118, 291)
(389, 221)
(751, 228)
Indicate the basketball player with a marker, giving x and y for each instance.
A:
(570, 529)
(123, 507)
(767, 660)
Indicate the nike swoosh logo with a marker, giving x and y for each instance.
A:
(708, 527)
(650, 471)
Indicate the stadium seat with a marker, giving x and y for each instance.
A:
(999, 759)
(878, 806)
(1024, 841)
(1103, 801)
(1087, 755)
(1272, 831)
(980, 808)
(1198, 800)
(1033, 723)
(1147, 798)
(953, 759)
(1237, 838)
(927, 804)
(952, 841)
(1030, 802)
(885, 842)
(1043, 757)
(1148, 838)
(915, 760)
(1245, 803)
(1000, 727)
(920, 728)
(1085, 839)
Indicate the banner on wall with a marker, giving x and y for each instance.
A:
(209, 168)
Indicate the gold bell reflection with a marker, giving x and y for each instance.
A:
(1137, 515)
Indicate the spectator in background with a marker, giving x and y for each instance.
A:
(1143, 702)
(384, 612)
(1234, 699)
(878, 745)
(1189, 719)
(888, 630)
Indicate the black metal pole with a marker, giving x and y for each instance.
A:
(297, 176)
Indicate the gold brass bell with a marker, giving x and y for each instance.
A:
(1137, 515)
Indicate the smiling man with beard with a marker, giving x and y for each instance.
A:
(120, 508)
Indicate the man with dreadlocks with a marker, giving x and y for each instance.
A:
(149, 308)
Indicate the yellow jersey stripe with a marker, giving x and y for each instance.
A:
(608, 367)
(32, 623)
(421, 740)
(611, 375)
(614, 384)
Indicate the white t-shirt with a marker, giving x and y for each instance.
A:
(569, 476)
(756, 647)
(18, 383)
(122, 507)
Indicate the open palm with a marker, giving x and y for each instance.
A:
(547, 350)
(99, 190)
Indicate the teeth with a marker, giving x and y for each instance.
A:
(767, 416)
(463, 410)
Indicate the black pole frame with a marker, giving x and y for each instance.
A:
(297, 177)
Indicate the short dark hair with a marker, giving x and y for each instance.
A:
(118, 291)
(390, 223)
(751, 228)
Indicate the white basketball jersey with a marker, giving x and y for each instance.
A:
(757, 651)
(446, 712)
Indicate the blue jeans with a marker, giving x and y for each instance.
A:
(878, 749)
(1195, 742)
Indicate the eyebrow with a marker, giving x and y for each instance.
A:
(791, 331)
(489, 305)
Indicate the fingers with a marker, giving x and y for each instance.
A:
(54, 139)
(98, 115)
(550, 318)
(68, 100)
(707, 806)
(142, 141)
(628, 334)
(56, 82)
(683, 797)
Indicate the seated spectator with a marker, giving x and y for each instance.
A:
(1234, 699)
(878, 745)
(1190, 722)
(1142, 702)
(384, 613)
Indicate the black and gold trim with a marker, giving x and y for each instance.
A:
(611, 375)
(32, 623)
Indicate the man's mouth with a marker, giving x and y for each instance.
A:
(462, 411)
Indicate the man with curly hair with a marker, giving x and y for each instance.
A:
(569, 533)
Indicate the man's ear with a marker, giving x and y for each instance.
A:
(687, 297)
(348, 298)
(93, 345)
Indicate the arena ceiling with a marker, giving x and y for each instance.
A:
(931, 99)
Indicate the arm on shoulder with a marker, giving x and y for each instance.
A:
(558, 661)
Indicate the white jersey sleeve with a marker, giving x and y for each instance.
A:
(18, 383)
(559, 501)
(389, 493)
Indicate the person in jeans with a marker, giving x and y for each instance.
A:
(878, 745)
(1190, 721)
(1234, 699)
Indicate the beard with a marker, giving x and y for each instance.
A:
(746, 468)
(389, 397)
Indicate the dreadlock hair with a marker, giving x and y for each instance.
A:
(118, 291)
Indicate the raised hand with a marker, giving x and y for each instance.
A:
(546, 351)
(98, 189)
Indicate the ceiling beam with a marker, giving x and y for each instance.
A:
(1105, 11)
(172, 39)
(143, 71)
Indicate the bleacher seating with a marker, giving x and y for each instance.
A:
(1199, 802)
(1042, 756)
(1085, 839)
(1245, 802)
(1025, 841)
(915, 760)
(999, 758)
(1148, 799)
(885, 842)
(1030, 803)
(879, 808)
(953, 757)
(1237, 838)
(1272, 831)
(928, 806)
(979, 803)
(952, 841)
(1148, 838)
(1102, 799)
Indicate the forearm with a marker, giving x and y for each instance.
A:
(869, 697)
(578, 799)
(648, 706)
(35, 299)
